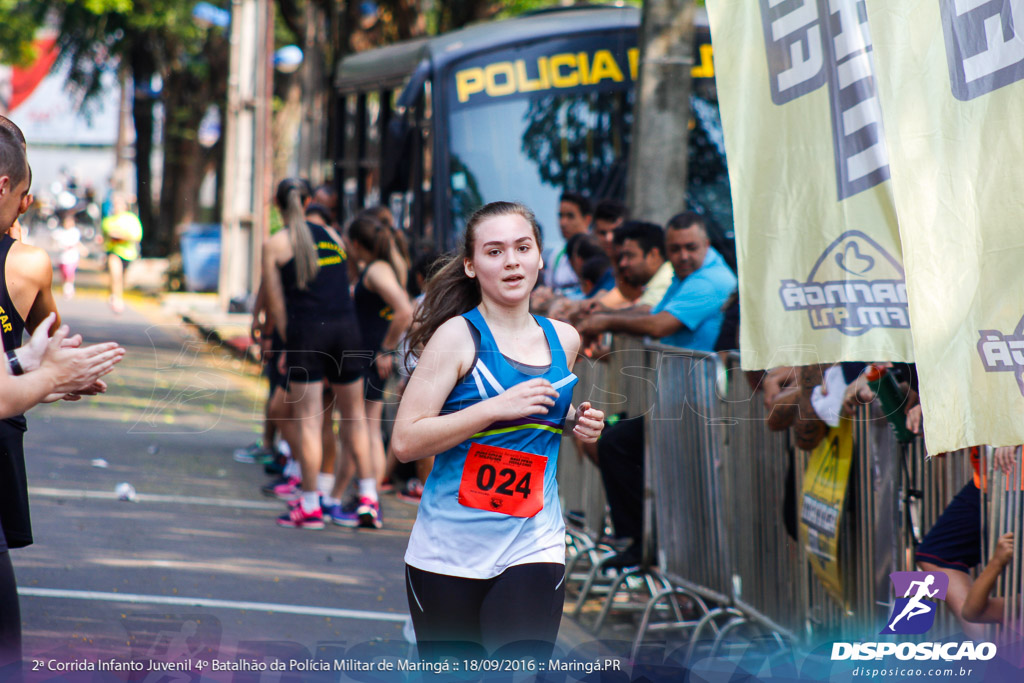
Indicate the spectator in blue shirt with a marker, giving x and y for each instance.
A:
(690, 316)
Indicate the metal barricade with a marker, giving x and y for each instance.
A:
(627, 391)
(769, 573)
(927, 487)
(682, 468)
(715, 486)
(618, 383)
(1005, 514)
(684, 513)
(580, 489)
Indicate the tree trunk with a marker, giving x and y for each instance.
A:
(184, 107)
(658, 157)
(142, 117)
(285, 129)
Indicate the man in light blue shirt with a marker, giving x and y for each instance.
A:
(690, 313)
(690, 316)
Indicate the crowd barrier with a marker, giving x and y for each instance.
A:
(719, 562)
(1005, 505)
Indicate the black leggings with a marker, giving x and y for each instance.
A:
(516, 612)
(10, 621)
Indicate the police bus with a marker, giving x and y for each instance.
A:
(521, 109)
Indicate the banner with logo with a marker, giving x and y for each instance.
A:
(821, 272)
(951, 83)
(826, 481)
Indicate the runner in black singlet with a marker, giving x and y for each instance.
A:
(51, 370)
(384, 312)
(15, 525)
(306, 278)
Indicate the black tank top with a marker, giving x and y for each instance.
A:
(15, 525)
(327, 296)
(12, 327)
(373, 313)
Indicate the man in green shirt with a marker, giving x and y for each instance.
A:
(122, 232)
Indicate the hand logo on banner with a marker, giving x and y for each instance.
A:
(832, 299)
(853, 261)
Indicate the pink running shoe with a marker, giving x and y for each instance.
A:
(368, 512)
(289, 489)
(297, 518)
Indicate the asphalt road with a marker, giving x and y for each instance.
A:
(196, 568)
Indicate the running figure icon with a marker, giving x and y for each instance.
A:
(915, 606)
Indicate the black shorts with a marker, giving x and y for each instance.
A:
(325, 350)
(10, 622)
(15, 520)
(270, 369)
(124, 261)
(955, 540)
(373, 384)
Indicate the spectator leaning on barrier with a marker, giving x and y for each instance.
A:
(640, 256)
(574, 216)
(688, 316)
(608, 215)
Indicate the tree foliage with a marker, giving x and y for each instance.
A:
(153, 42)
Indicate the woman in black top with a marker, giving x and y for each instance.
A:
(384, 312)
(306, 278)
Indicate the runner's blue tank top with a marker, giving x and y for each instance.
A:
(452, 538)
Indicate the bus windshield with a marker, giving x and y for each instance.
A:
(530, 150)
(528, 123)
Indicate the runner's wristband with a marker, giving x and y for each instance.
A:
(14, 364)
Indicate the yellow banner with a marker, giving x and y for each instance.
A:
(950, 82)
(820, 266)
(826, 480)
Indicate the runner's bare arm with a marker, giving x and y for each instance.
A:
(978, 606)
(30, 282)
(587, 423)
(657, 325)
(421, 431)
(273, 289)
(381, 279)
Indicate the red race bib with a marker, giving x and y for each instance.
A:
(503, 481)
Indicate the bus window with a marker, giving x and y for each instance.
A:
(531, 150)
(348, 166)
(369, 160)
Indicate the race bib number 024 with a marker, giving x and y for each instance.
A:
(503, 481)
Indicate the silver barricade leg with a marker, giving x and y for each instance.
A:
(683, 450)
(622, 383)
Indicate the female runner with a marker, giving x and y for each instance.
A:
(490, 397)
(384, 312)
(306, 284)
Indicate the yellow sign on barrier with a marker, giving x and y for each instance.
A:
(826, 481)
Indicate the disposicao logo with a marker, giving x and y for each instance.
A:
(854, 287)
(915, 612)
